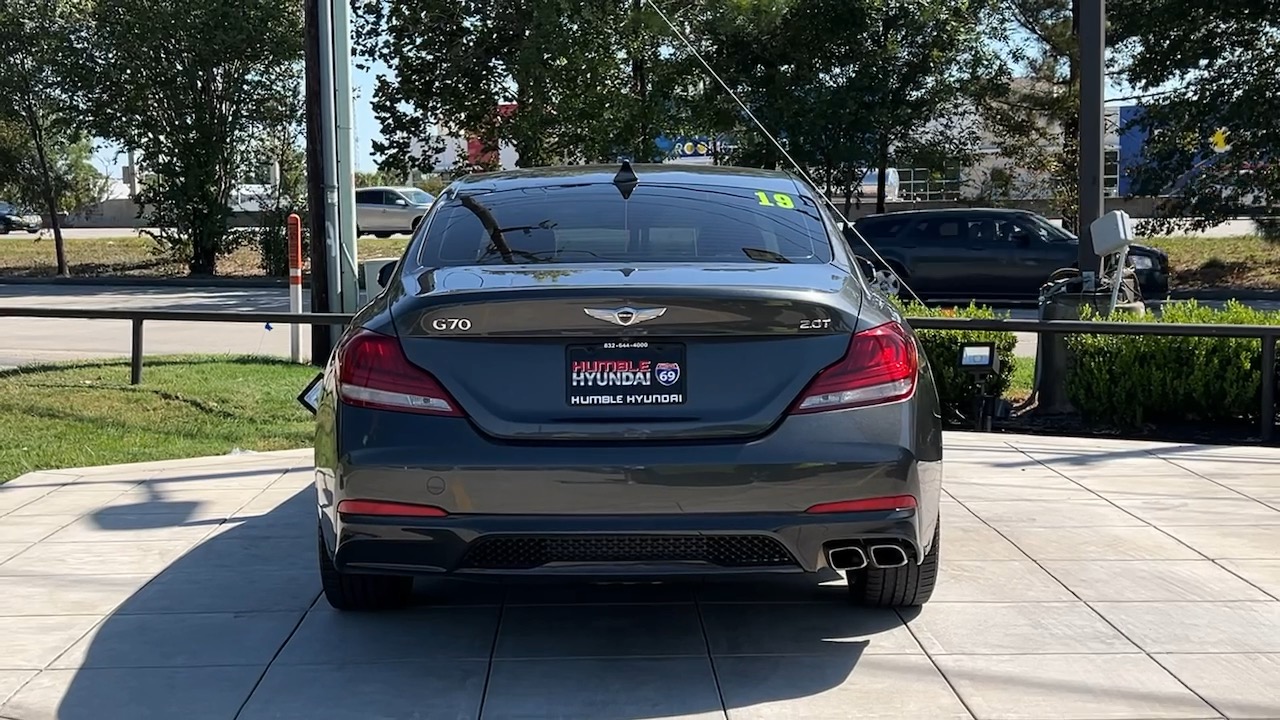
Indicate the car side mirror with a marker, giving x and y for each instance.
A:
(385, 273)
(401, 202)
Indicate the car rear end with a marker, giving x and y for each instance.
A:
(680, 378)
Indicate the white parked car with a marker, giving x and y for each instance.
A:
(386, 211)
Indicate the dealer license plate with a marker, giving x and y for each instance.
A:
(625, 373)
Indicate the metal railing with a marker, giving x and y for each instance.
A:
(1267, 334)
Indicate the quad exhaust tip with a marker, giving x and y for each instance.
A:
(846, 558)
(888, 556)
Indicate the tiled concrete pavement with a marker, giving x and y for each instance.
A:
(1081, 579)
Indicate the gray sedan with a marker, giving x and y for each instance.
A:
(627, 371)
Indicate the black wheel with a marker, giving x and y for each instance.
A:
(907, 586)
(413, 226)
(382, 235)
(353, 591)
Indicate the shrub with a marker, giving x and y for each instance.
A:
(1128, 380)
(955, 388)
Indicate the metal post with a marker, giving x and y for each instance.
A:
(346, 153)
(329, 145)
(1268, 388)
(135, 355)
(295, 285)
(1093, 84)
(321, 339)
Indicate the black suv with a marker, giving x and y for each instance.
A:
(985, 253)
(14, 218)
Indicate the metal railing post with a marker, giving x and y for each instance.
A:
(135, 356)
(1268, 387)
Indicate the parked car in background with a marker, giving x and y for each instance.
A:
(386, 211)
(962, 254)
(14, 218)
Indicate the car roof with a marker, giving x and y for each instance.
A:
(657, 173)
(947, 211)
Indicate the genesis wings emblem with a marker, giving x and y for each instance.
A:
(625, 316)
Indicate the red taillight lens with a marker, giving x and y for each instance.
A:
(880, 367)
(388, 509)
(892, 502)
(374, 373)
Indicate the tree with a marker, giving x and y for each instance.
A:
(36, 43)
(194, 87)
(583, 81)
(1210, 71)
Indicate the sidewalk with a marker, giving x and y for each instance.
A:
(1081, 579)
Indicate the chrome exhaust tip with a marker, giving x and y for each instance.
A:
(846, 558)
(888, 556)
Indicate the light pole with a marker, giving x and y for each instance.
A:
(1093, 79)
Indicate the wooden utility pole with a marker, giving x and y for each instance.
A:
(321, 335)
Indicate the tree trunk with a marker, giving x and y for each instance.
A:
(882, 165)
(46, 189)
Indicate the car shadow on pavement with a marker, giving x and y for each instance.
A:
(227, 621)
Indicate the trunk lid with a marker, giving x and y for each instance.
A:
(601, 353)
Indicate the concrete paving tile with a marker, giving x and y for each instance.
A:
(111, 525)
(31, 643)
(1054, 513)
(182, 640)
(1245, 685)
(212, 693)
(977, 541)
(613, 688)
(1169, 512)
(561, 631)
(1139, 487)
(10, 681)
(68, 501)
(516, 592)
(1099, 543)
(232, 551)
(327, 638)
(804, 629)
(123, 558)
(67, 594)
(1009, 687)
(296, 479)
(1222, 542)
(42, 478)
(31, 528)
(997, 581)
(223, 592)
(1196, 627)
(410, 690)
(1100, 462)
(1262, 487)
(1264, 574)
(257, 477)
(1148, 581)
(9, 549)
(828, 587)
(13, 498)
(295, 505)
(820, 688)
(1014, 485)
(1013, 629)
(954, 513)
(167, 501)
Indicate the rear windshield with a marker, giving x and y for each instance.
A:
(593, 223)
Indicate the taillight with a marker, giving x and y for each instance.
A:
(879, 367)
(388, 509)
(891, 502)
(374, 373)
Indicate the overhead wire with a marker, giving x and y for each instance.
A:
(765, 131)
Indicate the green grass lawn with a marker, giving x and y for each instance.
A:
(83, 414)
(1243, 261)
(1024, 375)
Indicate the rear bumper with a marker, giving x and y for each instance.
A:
(623, 509)
(621, 545)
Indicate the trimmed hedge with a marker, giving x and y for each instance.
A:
(955, 388)
(1130, 380)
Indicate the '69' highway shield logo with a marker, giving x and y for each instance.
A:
(667, 373)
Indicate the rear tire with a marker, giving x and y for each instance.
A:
(908, 586)
(357, 592)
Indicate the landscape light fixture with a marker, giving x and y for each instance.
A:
(981, 361)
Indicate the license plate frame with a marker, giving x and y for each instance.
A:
(630, 374)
